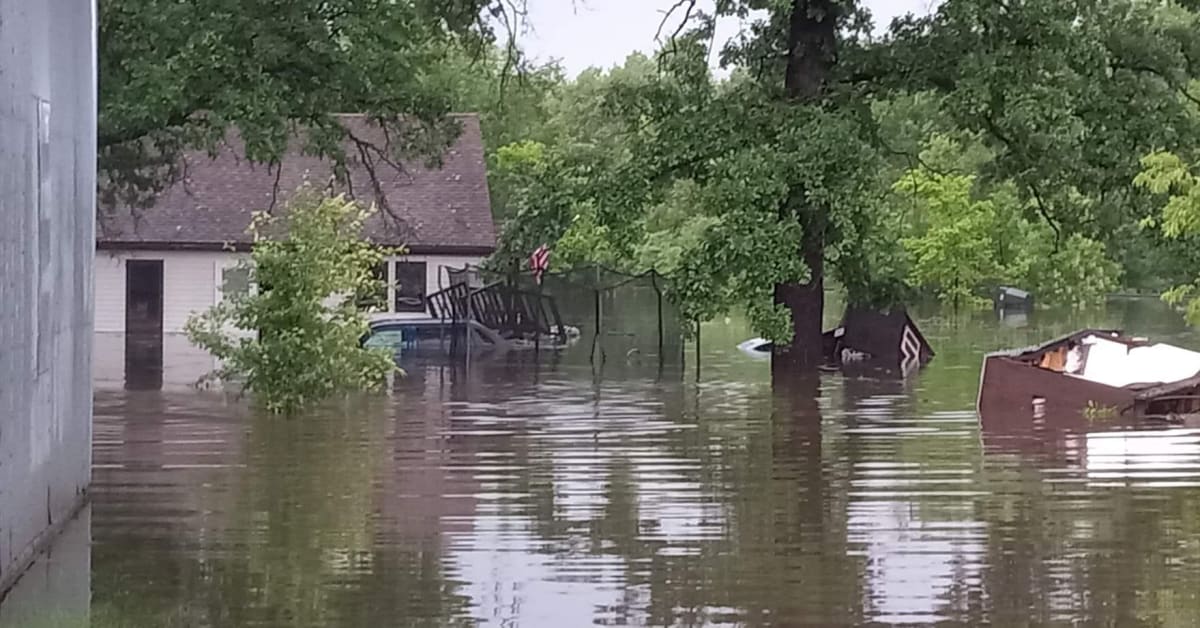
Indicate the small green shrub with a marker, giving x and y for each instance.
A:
(293, 338)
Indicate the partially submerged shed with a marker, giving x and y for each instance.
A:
(878, 339)
(1102, 370)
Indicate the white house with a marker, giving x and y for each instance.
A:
(156, 266)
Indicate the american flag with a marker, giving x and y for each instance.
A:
(539, 261)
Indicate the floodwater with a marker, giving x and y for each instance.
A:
(520, 495)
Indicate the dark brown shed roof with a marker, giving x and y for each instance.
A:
(430, 210)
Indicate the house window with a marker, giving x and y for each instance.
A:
(410, 286)
(235, 281)
(375, 298)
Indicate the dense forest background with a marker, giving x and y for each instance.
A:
(1045, 144)
(949, 227)
(1040, 167)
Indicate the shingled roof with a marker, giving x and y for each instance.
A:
(429, 210)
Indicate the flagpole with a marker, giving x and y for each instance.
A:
(539, 261)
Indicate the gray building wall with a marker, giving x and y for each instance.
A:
(47, 214)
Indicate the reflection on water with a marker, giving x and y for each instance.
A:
(1166, 458)
(518, 495)
(55, 591)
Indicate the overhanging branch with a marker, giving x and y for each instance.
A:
(688, 5)
(1043, 210)
(1145, 69)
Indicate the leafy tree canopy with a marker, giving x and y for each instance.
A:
(795, 165)
(1166, 174)
(179, 75)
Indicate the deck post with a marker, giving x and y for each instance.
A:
(467, 330)
(537, 322)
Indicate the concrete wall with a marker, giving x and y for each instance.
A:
(47, 213)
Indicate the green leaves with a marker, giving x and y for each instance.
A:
(1166, 174)
(674, 229)
(963, 239)
(1076, 273)
(1067, 95)
(1187, 298)
(179, 75)
(956, 251)
(986, 143)
(294, 340)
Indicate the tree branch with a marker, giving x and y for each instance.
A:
(105, 139)
(511, 51)
(994, 129)
(278, 166)
(687, 15)
(365, 151)
(1041, 205)
(1182, 89)
(914, 159)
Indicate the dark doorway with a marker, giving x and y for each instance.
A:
(143, 324)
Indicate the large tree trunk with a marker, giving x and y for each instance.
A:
(812, 52)
(806, 301)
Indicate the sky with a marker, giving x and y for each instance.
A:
(602, 33)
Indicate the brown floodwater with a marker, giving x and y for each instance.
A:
(513, 494)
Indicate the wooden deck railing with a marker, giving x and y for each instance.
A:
(510, 311)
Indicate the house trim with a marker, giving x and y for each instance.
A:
(243, 247)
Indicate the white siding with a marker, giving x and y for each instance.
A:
(436, 265)
(184, 364)
(190, 284)
(437, 274)
(108, 363)
(110, 295)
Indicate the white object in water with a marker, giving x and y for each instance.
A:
(756, 348)
(850, 355)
